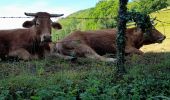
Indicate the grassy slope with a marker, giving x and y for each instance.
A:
(164, 16)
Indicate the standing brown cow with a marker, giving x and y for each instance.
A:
(30, 42)
(93, 44)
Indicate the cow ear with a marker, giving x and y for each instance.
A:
(138, 31)
(56, 25)
(28, 24)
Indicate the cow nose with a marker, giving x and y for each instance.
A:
(47, 38)
(160, 39)
(164, 37)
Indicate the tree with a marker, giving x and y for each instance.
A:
(121, 37)
(148, 6)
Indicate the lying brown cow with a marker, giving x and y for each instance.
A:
(93, 44)
(31, 41)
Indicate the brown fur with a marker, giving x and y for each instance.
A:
(29, 43)
(93, 44)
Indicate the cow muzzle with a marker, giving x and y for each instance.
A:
(160, 39)
(46, 38)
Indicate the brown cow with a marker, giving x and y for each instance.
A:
(93, 44)
(31, 41)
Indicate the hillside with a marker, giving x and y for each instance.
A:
(103, 15)
(90, 19)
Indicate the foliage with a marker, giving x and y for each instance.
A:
(103, 15)
(147, 78)
(106, 9)
(142, 20)
(168, 2)
(148, 6)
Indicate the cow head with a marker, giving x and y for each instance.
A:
(42, 24)
(152, 35)
(149, 33)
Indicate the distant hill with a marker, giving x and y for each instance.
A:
(94, 18)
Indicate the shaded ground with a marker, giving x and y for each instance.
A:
(53, 78)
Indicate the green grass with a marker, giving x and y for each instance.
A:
(54, 78)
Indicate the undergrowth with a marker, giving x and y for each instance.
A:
(148, 78)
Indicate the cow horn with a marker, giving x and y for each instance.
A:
(56, 15)
(30, 14)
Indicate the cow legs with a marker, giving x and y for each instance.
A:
(63, 56)
(54, 52)
(21, 54)
(86, 51)
(132, 50)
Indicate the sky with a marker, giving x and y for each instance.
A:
(16, 8)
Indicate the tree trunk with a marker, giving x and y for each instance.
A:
(121, 37)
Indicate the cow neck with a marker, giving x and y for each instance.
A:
(139, 43)
(137, 38)
(35, 38)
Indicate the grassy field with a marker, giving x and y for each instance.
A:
(56, 79)
(147, 78)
